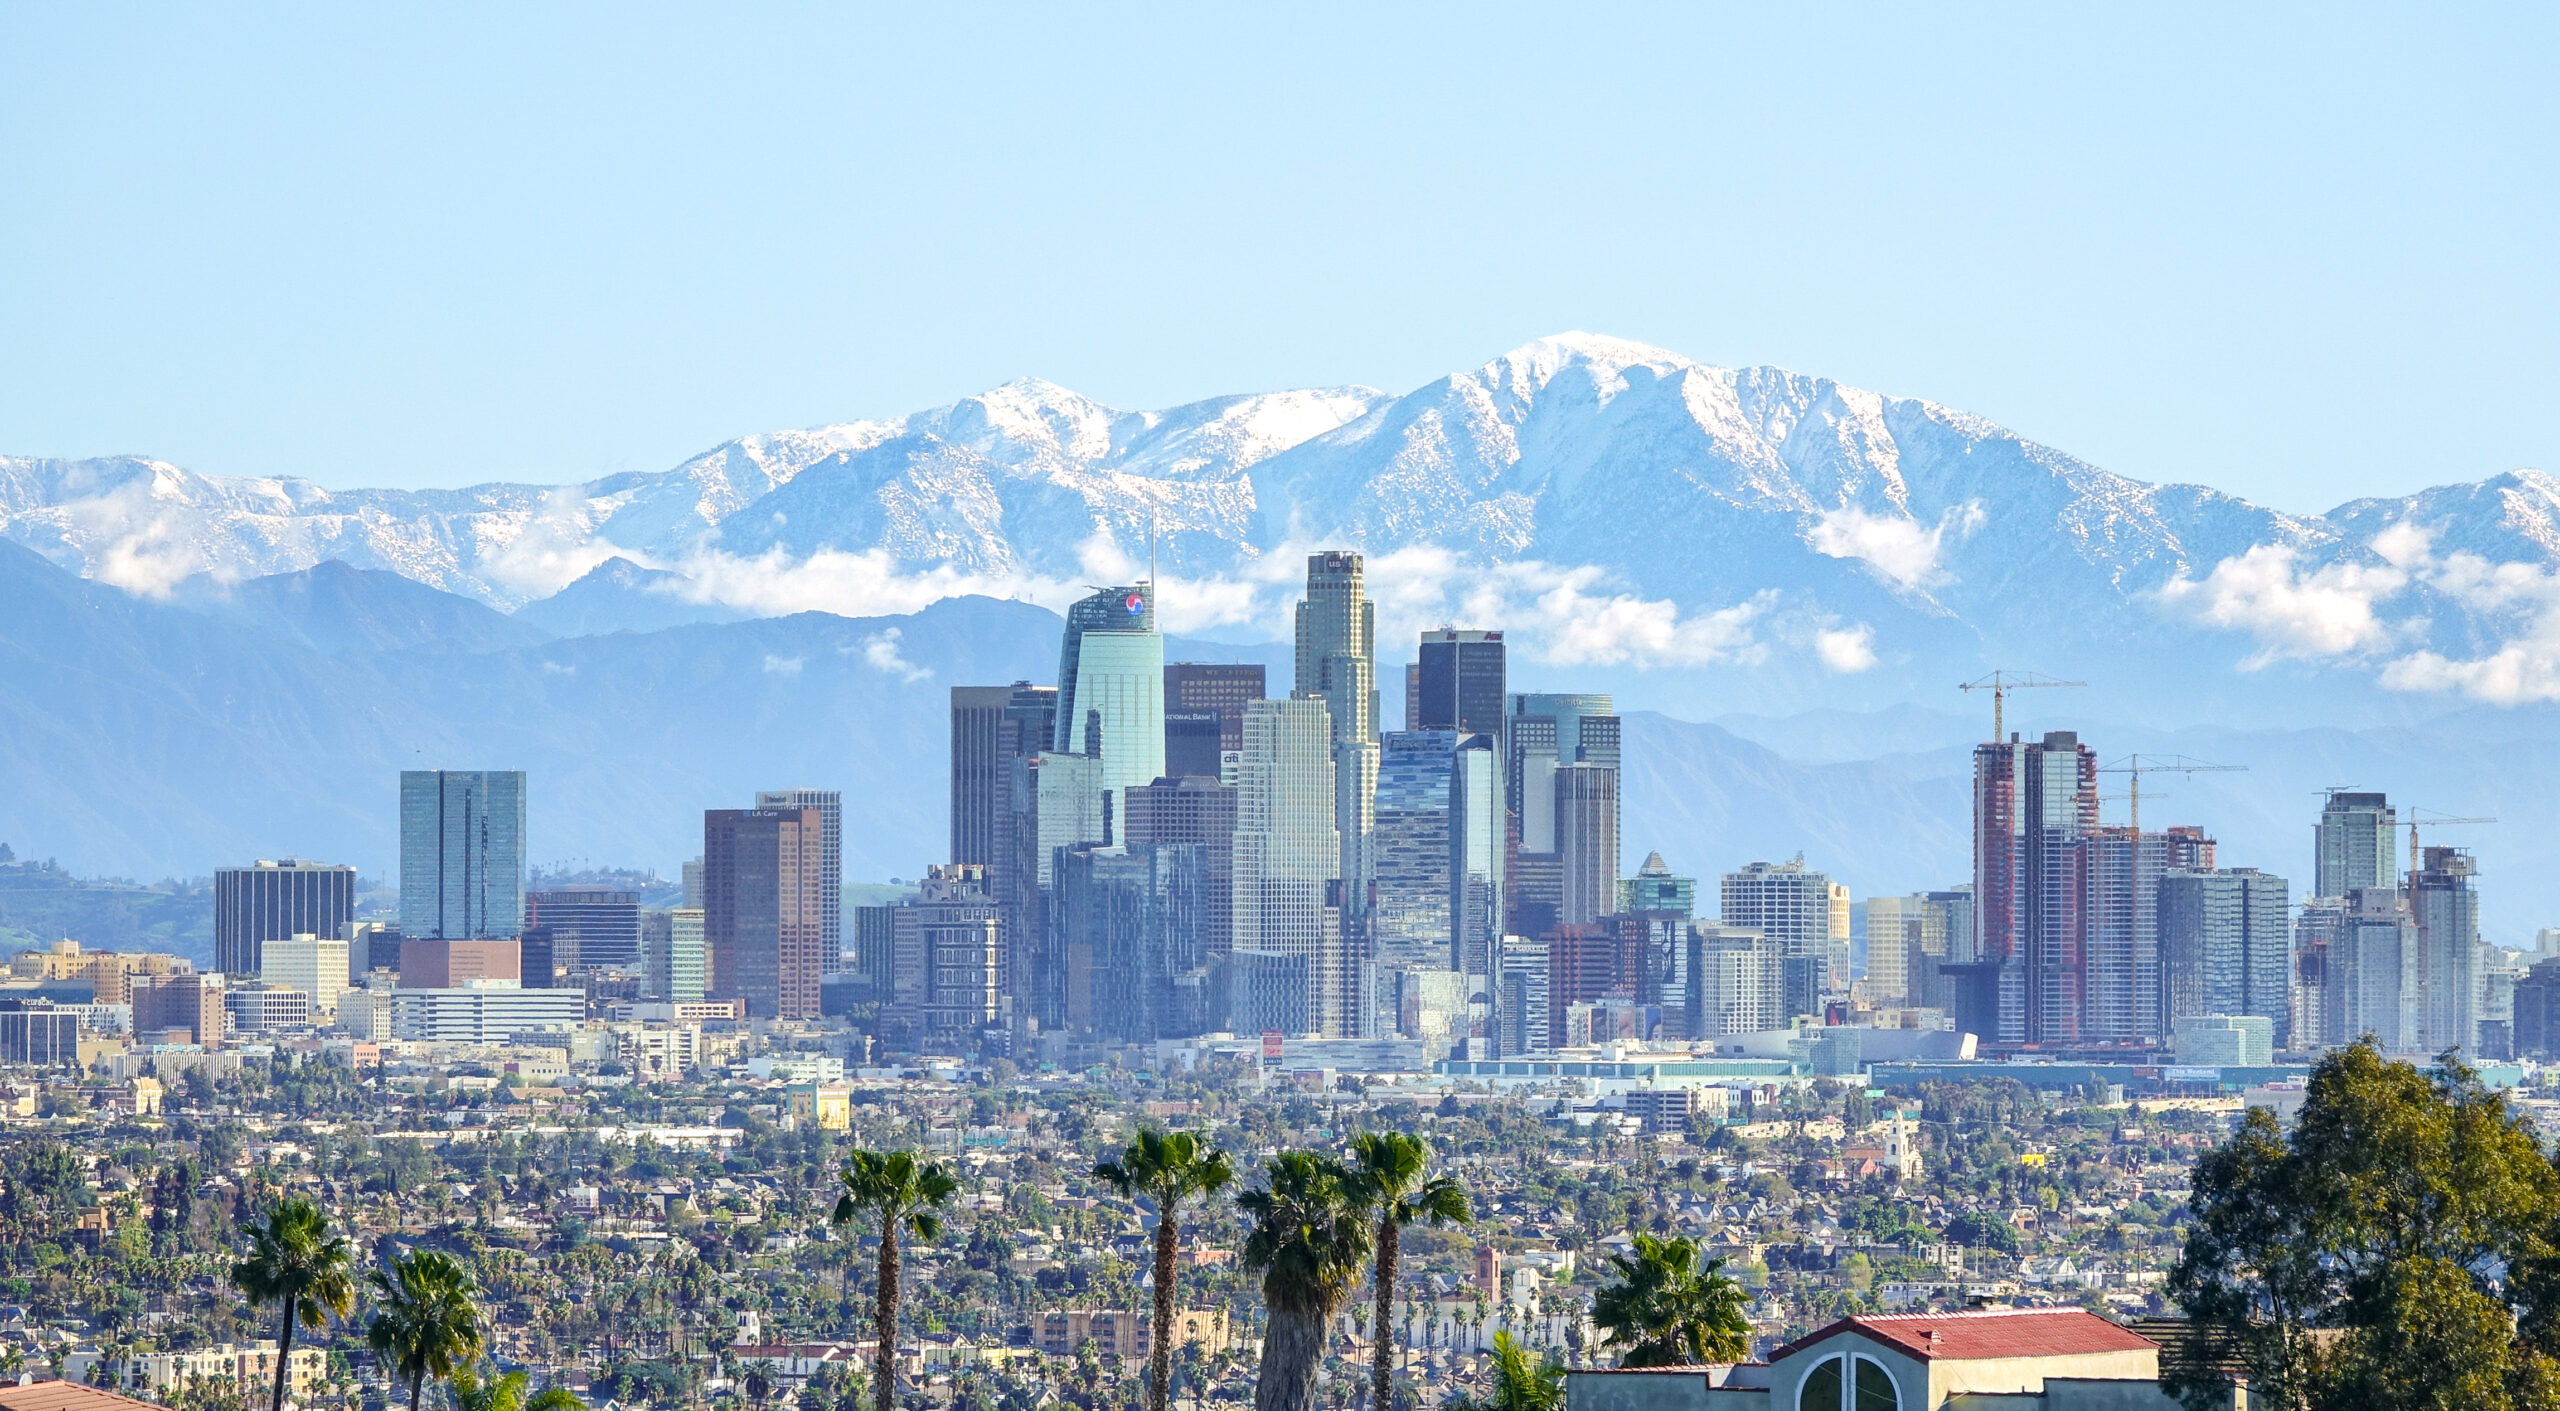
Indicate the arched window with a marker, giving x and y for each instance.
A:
(1848, 1383)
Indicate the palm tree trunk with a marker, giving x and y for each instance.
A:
(1292, 1350)
(417, 1383)
(284, 1348)
(1382, 1333)
(884, 1322)
(1160, 1355)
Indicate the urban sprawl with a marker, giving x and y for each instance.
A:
(1349, 1054)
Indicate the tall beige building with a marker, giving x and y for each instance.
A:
(1338, 665)
(1286, 862)
(315, 965)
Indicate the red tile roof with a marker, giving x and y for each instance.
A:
(68, 1396)
(2009, 1332)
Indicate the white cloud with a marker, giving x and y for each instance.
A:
(783, 666)
(1847, 650)
(554, 546)
(2328, 611)
(2333, 611)
(880, 649)
(1565, 615)
(1901, 550)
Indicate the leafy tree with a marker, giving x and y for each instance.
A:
(299, 1264)
(1392, 1185)
(1168, 1168)
(2394, 1250)
(1670, 1307)
(901, 1194)
(426, 1318)
(1310, 1239)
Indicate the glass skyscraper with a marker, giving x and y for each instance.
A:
(1111, 688)
(461, 853)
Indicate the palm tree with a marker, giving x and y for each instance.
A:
(1390, 1182)
(427, 1318)
(1311, 1241)
(1670, 1308)
(900, 1193)
(297, 1262)
(1169, 1168)
(471, 1392)
(1518, 1383)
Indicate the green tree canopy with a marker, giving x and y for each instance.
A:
(1671, 1306)
(2394, 1250)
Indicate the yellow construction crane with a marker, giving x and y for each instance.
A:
(2413, 820)
(2135, 766)
(2000, 684)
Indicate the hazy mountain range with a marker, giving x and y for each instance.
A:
(200, 669)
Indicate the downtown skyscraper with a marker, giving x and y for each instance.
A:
(1337, 663)
(1111, 688)
(1292, 971)
(462, 853)
(762, 871)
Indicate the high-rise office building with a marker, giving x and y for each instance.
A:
(1337, 663)
(1479, 834)
(1587, 843)
(1656, 888)
(1194, 744)
(830, 806)
(2034, 806)
(1337, 644)
(762, 872)
(313, 965)
(1057, 802)
(2226, 947)
(672, 956)
(591, 928)
(1287, 856)
(1197, 812)
(1542, 734)
(2352, 844)
(2446, 913)
(462, 853)
(1111, 688)
(1461, 682)
(1131, 925)
(1409, 916)
(272, 900)
(1217, 687)
(991, 727)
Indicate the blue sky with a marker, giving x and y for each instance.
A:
(2303, 254)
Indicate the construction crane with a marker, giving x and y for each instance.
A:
(2001, 683)
(2135, 766)
(2413, 820)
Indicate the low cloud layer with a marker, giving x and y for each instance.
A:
(2344, 611)
(1565, 615)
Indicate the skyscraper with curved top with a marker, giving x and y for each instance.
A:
(1111, 689)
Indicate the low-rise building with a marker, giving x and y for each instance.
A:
(1127, 1335)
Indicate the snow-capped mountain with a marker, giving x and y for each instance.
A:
(1621, 507)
